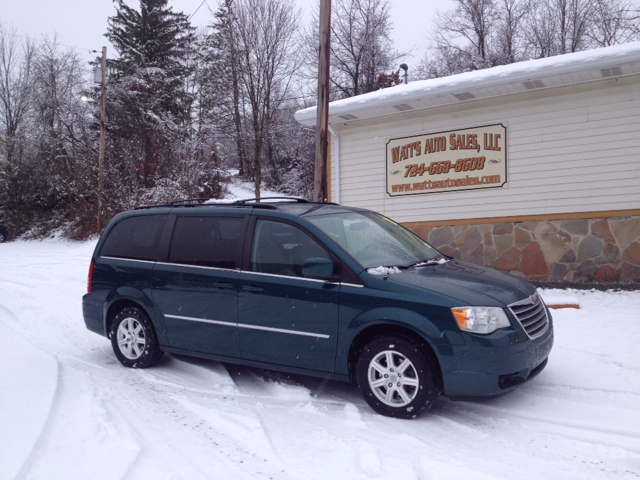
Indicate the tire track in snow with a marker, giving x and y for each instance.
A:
(207, 426)
(594, 429)
(81, 440)
(32, 384)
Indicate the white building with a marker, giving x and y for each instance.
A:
(533, 168)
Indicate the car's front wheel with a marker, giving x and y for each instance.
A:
(134, 339)
(4, 234)
(396, 378)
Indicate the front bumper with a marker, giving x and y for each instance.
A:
(495, 364)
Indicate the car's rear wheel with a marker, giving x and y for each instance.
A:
(396, 378)
(4, 234)
(134, 339)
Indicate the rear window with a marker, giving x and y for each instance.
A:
(206, 241)
(135, 237)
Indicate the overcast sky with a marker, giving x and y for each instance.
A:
(82, 23)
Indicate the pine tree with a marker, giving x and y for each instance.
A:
(153, 38)
(148, 105)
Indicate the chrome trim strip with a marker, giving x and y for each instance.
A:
(258, 273)
(202, 320)
(128, 259)
(250, 327)
(282, 330)
(196, 266)
(290, 277)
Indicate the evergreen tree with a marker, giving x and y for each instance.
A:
(153, 38)
(148, 104)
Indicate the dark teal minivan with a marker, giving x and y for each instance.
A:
(318, 289)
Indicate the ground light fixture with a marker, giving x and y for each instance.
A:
(405, 67)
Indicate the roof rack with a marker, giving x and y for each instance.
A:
(245, 200)
(176, 203)
(188, 200)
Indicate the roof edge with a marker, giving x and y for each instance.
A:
(504, 74)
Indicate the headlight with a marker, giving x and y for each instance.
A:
(481, 320)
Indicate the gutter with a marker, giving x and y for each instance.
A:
(336, 163)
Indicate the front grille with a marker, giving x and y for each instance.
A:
(532, 315)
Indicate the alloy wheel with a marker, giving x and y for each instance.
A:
(131, 340)
(393, 378)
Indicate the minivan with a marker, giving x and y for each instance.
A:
(317, 289)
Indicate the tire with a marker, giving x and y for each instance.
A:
(396, 378)
(3, 234)
(134, 339)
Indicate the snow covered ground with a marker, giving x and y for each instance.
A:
(69, 410)
(239, 189)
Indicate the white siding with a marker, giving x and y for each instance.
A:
(570, 149)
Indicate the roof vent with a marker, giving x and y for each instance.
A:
(611, 72)
(348, 116)
(464, 96)
(403, 107)
(533, 84)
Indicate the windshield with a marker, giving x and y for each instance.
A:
(374, 240)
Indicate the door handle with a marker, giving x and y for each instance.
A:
(252, 288)
(222, 285)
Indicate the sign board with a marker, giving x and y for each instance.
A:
(466, 159)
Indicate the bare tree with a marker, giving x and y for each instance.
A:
(559, 26)
(61, 123)
(575, 23)
(266, 43)
(541, 31)
(509, 37)
(49, 172)
(361, 45)
(223, 80)
(467, 30)
(613, 23)
(483, 33)
(16, 60)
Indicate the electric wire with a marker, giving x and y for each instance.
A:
(40, 41)
(203, 2)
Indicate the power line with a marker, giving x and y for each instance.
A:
(4, 32)
(203, 2)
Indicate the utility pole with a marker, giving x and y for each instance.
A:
(103, 112)
(320, 193)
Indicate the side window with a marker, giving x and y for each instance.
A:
(206, 241)
(281, 249)
(135, 238)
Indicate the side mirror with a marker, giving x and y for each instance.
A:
(318, 267)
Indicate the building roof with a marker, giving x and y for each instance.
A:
(561, 70)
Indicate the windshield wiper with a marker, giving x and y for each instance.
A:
(425, 263)
(419, 263)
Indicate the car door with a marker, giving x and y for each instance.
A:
(196, 288)
(285, 318)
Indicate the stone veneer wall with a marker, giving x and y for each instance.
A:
(581, 250)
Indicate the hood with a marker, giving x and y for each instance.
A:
(471, 284)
